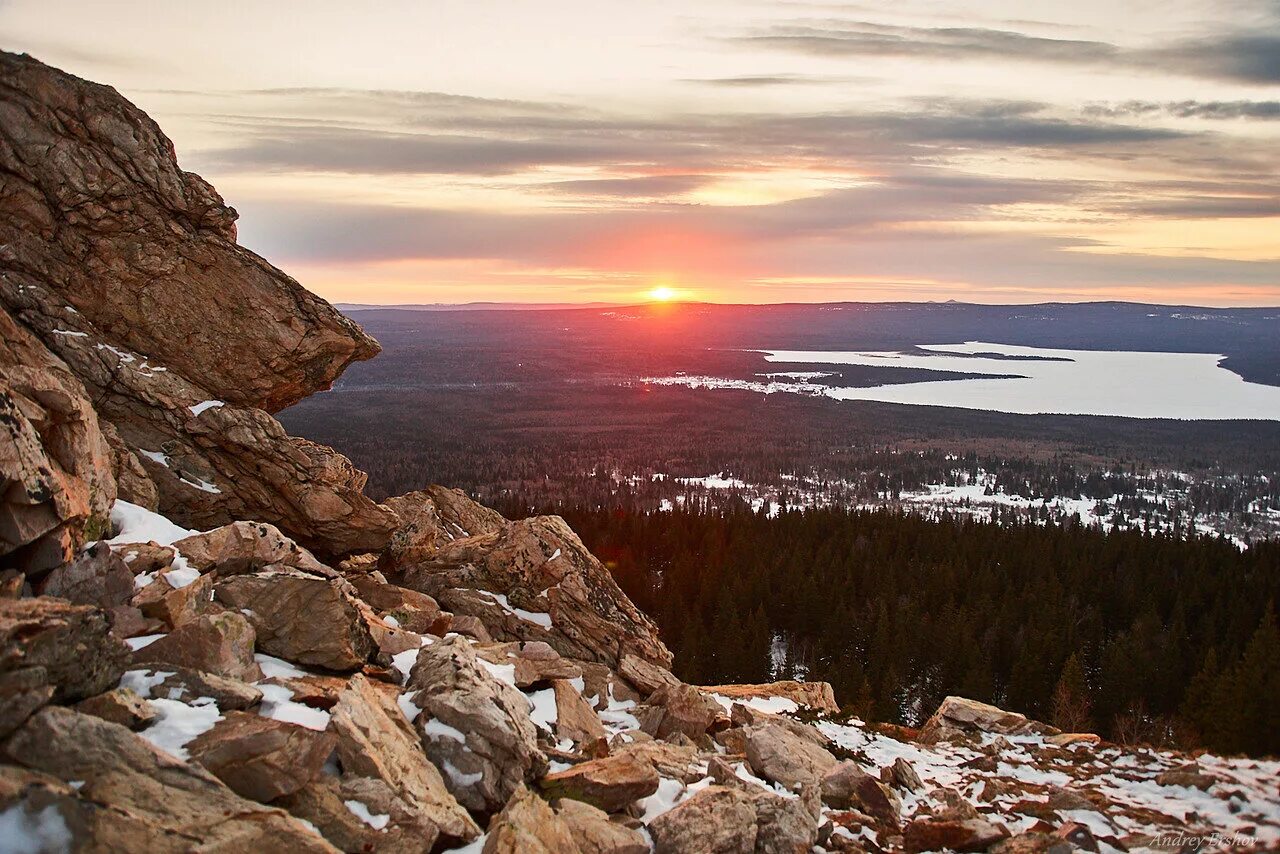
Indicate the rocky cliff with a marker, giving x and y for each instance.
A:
(210, 639)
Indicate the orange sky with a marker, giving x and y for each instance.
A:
(728, 150)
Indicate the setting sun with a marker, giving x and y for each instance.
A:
(662, 294)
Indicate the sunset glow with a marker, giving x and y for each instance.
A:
(760, 152)
(662, 294)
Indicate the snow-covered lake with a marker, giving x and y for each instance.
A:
(1188, 386)
(1067, 382)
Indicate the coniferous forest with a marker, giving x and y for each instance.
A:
(1145, 639)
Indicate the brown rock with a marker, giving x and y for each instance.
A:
(302, 618)
(243, 547)
(575, 719)
(1032, 843)
(957, 717)
(429, 519)
(186, 684)
(323, 803)
(717, 819)
(527, 825)
(818, 696)
(96, 577)
(778, 754)
(678, 708)
(541, 566)
(51, 650)
(594, 833)
(375, 741)
(54, 458)
(847, 786)
(679, 762)
(144, 800)
(973, 834)
(645, 676)
(610, 783)
(173, 606)
(119, 706)
(221, 644)
(142, 558)
(904, 776)
(474, 726)
(260, 758)
(1189, 776)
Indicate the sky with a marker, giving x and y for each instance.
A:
(722, 150)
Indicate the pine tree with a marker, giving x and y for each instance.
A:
(1072, 706)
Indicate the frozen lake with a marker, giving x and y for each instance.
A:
(1066, 382)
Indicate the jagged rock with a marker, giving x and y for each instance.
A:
(55, 462)
(645, 676)
(958, 717)
(146, 558)
(119, 706)
(324, 803)
(221, 644)
(474, 726)
(429, 519)
(169, 313)
(676, 761)
(902, 775)
(818, 696)
(610, 783)
(717, 819)
(575, 719)
(745, 716)
(783, 824)
(261, 758)
(778, 754)
(97, 576)
(536, 663)
(133, 797)
(1032, 843)
(243, 547)
(375, 741)
(53, 650)
(678, 708)
(594, 833)
(847, 786)
(301, 618)
(541, 567)
(174, 606)
(183, 683)
(929, 834)
(128, 622)
(600, 683)
(528, 825)
(414, 611)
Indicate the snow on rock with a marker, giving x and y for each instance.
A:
(139, 525)
(179, 723)
(278, 704)
(536, 617)
(361, 811)
(45, 830)
(203, 405)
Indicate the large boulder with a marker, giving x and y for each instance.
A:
(818, 696)
(375, 741)
(55, 461)
(53, 650)
(958, 718)
(127, 268)
(551, 587)
(431, 518)
(130, 796)
(610, 783)
(679, 708)
(779, 754)
(717, 820)
(474, 726)
(96, 576)
(302, 618)
(261, 758)
(221, 644)
(527, 825)
(594, 832)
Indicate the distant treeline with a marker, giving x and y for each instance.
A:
(1140, 638)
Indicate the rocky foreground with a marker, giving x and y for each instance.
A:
(211, 639)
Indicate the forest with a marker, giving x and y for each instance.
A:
(1142, 638)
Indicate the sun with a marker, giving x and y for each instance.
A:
(662, 294)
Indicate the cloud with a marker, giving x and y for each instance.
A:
(759, 81)
(644, 186)
(1261, 110)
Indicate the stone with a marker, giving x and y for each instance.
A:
(301, 618)
(173, 606)
(958, 717)
(375, 741)
(847, 786)
(610, 783)
(1189, 776)
(53, 651)
(575, 719)
(429, 519)
(678, 708)
(474, 726)
(95, 577)
(414, 611)
(528, 825)
(145, 558)
(541, 567)
(143, 799)
(119, 706)
(55, 461)
(1032, 843)
(645, 676)
(778, 754)
(594, 833)
(261, 758)
(904, 776)
(1079, 835)
(975, 834)
(243, 547)
(183, 683)
(717, 820)
(818, 696)
(221, 644)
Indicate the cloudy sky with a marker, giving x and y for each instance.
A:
(736, 151)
